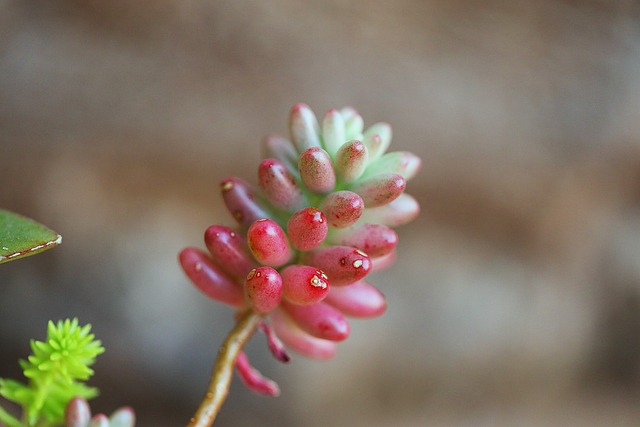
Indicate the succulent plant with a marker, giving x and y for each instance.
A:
(78, 414)
(320, 220)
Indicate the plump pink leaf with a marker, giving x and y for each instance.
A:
(303, 284)
(373, 239)
(268, 243)
(253, 379)
(300, 341)
(316, 170)
(263, 289)
(210, 278)
(304, 128)
(359, 299)
(351, 161)
(342, 208)
(242, 202)
(307, 229)
(320, 320)
(279, 185)
(229, 251)
(380, 190)
(342, 264)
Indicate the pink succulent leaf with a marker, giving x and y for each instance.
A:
(77, 413)
(279, 185)
(210, 279)
(342, 264)
(400, 211)
(307, 229)
(319, 320)
(242, 202)
(300, 341)
(316, 170)
(383, 262)
(263, 289)
(359, 299)
(268, 243)
(229, 251)
(276, 346)
(342, 208)
(253, 379)
(380, 189)
(304, 128)
(351, 161)
(374, 239)
(304, 284)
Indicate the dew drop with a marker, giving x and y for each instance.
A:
(357, 263)
(358, 251)
(226, 186)
(343, 261)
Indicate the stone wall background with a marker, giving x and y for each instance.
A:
(516, 297)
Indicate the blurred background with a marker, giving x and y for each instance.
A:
(516, 296)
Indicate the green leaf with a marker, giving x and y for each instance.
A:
(21, 237)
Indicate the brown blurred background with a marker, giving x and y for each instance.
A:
(516, 296)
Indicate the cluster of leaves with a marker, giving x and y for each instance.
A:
(56, 371)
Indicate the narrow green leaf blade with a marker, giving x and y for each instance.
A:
(21, 237)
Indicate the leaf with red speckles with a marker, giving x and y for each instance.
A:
(21, 237)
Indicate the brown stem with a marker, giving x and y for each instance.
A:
(223, 370)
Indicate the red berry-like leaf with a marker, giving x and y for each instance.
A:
(320, 320)
(342, 208)
(210, 279)
(307, 229)
(242, 202)
(253, 379)
(351, 161)
(263, 289)
(268, 243)
(316, 170)
(303, 284)
(300, 341)
(275, 345)
(229, 251)
(373, 239)
(359, 299)
(380, 189)
(342, 264)
(279, 185)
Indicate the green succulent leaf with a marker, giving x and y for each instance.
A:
(21, 237)
(55, 371)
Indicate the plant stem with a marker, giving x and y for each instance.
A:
(223, 370)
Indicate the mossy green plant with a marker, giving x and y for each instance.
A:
(56, 372)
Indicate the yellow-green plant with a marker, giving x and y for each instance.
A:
(56, 372)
